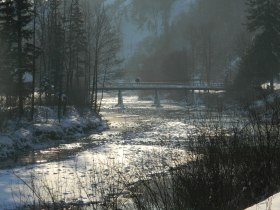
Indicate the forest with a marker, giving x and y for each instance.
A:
(56, 52)
(53, 53)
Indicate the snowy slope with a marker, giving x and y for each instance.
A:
(272, 203)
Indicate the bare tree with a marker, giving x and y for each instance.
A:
(105, 45)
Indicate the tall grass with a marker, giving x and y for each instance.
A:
(234, 168)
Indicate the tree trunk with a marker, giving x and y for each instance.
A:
(20, 70)
(271, 84)
(33, 64)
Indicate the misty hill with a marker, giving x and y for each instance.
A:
(200, 38)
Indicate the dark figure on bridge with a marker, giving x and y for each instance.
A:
(137, 80)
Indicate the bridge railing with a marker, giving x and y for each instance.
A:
(163, 84)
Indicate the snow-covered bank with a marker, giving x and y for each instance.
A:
(271, 203)
(24, 135)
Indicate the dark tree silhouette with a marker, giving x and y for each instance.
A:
(15, 17)
(264, 20)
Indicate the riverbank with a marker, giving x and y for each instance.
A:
(46, 130)
(142, 140)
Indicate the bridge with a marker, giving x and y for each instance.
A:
(162, 86)
(156, 86)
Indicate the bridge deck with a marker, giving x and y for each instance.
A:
(162, 86)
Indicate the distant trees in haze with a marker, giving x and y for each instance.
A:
(171, 66)
(212, 28)
(58, 40)
(154, 15)
(209, 34)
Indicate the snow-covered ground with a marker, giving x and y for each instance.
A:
(271, 203)
(23, 135)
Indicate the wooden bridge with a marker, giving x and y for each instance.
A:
(156, 86)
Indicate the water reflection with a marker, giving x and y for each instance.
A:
(137, 146)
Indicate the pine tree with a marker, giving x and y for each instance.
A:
(15, 17)
(8, 59)
(76, 46)
(55, 50)
(264, 20)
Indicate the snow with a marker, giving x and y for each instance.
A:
(6, 146)
(5, 140)
(47, 131)
(27, 77)
(276, 85)
(23, 138)
(271, 203)
(46, 126)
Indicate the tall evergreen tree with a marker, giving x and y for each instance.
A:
(55, 51)
(7, 34)
(264, 20)
(76, 46)
(15, 18)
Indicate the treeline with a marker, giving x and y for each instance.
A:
(236, 42)
(54, 53)
(260, 63)
(201, 42)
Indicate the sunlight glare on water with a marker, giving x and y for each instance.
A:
(141, 142)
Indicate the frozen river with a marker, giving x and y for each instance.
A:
(142, 140)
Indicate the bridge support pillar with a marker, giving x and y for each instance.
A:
(194, 98)
(156, 99)
(120, 99)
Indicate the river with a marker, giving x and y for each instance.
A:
(142, 140)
